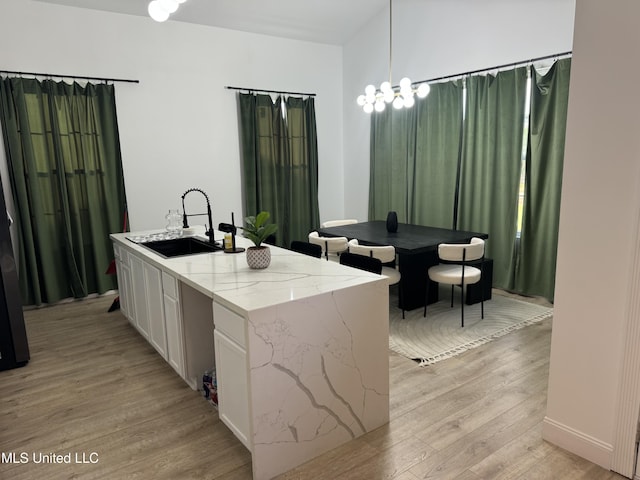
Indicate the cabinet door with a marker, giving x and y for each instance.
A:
(124, 278)
(118, 258)
(155, 308)
(173, 319)
(139, 291)
(231, 372)
(124, 291)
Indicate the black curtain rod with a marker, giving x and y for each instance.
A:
(251, 90)
(79, 77)
(483, 70)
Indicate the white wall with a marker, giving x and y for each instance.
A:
(178, 127)
(175, 136)
(598, 223)
(434, 38)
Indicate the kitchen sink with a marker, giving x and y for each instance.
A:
(181, 246)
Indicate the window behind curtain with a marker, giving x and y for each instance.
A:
(63, 156)
(280, 162)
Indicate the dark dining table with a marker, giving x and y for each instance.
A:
(416, 247)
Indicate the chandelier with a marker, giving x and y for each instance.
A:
(160, 10)
(401, 96)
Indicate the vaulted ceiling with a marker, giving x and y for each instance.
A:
(323, 21)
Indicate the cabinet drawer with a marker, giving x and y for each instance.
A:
(169, 286)
(230, 323)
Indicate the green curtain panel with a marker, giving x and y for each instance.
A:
(438, 137)
(536, 266)
(63, 154)
(279, 153)
(304, 214)
(492, 163)
(392, 157)
(414, 157)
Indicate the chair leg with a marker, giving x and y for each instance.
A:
(482, 280)
(426, 298)
(481, 299)
(452, 296)
(461, 305)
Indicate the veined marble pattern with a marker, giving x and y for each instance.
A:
(321, 360)
(228, 279)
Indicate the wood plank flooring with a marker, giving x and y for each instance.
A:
(94, 385)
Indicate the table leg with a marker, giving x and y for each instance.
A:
(413, 269)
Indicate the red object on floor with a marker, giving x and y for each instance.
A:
(111, 269)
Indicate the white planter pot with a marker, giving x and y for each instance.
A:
(258, 257)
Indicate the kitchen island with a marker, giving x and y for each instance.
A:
(300, 349)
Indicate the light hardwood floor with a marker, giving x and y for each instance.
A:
(94, 385)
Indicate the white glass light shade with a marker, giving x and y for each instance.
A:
(181, 1)
(405, 84)
(379, 106)
(423, 90)
(361, 100)
(169, 5)
(156, 11)
(398, 103)
(389, 96)
(385, 87)
(368, 108)
(408, 102)
(406, 92)
(370, 90)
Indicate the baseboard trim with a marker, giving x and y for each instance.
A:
(577, 442)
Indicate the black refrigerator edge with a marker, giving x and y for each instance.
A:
(14, 348)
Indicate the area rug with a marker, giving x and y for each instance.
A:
(439, 335)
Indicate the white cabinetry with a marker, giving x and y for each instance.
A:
(123, 272)
(139, 316)
(149, 298)
(173, 323)
(232, 372)
(155, 308)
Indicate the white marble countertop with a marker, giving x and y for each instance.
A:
(228, 279)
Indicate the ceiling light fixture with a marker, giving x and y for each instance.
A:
(401, 96)
(160, 10)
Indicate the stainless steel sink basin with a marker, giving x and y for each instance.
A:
(181, 246)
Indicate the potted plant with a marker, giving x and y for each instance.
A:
(258, 230)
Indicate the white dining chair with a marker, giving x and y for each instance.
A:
(338, 223)
(332, 247)
(455, 269)
(387, 255)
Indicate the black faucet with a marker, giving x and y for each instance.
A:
(185, 224)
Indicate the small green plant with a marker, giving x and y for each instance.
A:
(257, 229)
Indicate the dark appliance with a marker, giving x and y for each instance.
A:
(14, 348)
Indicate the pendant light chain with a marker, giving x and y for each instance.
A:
(390, 38)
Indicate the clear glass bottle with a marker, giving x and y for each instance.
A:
(174, 223)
